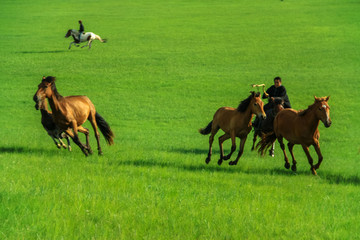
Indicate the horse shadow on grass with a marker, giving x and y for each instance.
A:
(53, 51)
(331, 178)
(25, 150)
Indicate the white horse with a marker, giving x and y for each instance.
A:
(87, 36)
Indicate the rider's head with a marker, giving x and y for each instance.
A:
(277, 82)
(80, 21)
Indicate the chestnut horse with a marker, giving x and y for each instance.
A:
(235, 122)
(51, 128)
(299, 127)
(266, 125)
(71, 112)
(85, 37)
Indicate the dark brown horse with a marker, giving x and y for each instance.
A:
(235, 122)
(71, 112)
(49, 125)
(265, 126)
(299, 127)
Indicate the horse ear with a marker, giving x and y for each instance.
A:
(252, 93)
(327, 99)
(43, 78)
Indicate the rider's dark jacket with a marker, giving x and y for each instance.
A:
(277, 92)
(81, 27)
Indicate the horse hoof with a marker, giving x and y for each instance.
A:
(313, 171)
(69, 148)
(219, 162)
(207, 160)
(232, 163)
(287, 165)
(100, 154)
(293, 167)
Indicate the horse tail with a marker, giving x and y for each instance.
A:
(207, 129)
(266, 141)
(105, 129)
(99, 38)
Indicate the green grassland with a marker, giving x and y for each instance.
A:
(165, 70)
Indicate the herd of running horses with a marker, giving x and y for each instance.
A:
(297, 127)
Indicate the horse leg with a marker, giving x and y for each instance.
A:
(86, 45)
(291, 146)
(71, 44)
(271, 152)
(62, 143)
(221, 140)
(92, 120)
(74, 135)
(64, 135)
(254, 140)
(56, 143)
(306, 150)
(280, 140)
(90, 42)
(241, 150)
(86, 132)
(233, 146)
(317, 149)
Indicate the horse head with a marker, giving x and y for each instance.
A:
(44, 91)
(278, 104)
(68, 34)
(323, 110)
(257, 105)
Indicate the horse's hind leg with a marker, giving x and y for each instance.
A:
(86, 132)
(221, 140)
(291, 147)
(280, 140)
(73, 134)
(306, 150)
(92, 120)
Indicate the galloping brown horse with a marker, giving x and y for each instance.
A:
(71, 112)
(235, 122)
(299, 127)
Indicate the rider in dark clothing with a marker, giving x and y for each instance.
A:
(276, 90)
(81, 30)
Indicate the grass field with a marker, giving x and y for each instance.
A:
(165, 70)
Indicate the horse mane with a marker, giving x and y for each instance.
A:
(245, 103)
(310, 107)
(51, 80)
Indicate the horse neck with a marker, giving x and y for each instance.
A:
(54, 102)
(248, 114)
(311, 118)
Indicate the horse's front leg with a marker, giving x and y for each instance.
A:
(58, 145)
(317, 149)
(241, 150)
(71, 44)
(64, 135)
(306, 150)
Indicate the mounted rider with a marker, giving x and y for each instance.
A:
(275, 91)
(81, 29)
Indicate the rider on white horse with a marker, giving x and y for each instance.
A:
(81, 30)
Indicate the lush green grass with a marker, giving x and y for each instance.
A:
(167, 67)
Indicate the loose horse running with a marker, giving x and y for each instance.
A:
(235, 122)
(87, 36)
(49, 125)
(71, 112)
(299, 127)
